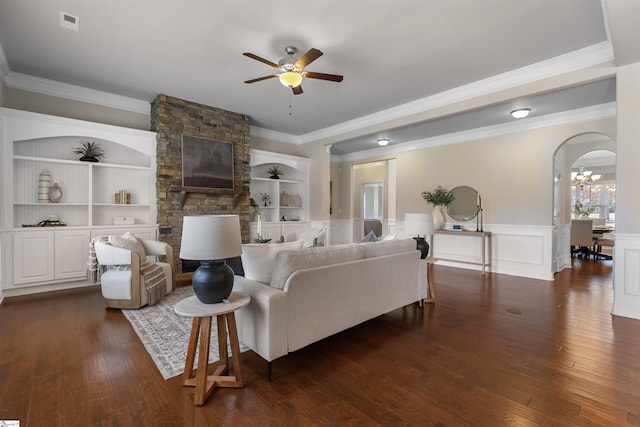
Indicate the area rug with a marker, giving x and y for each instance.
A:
(165, 334)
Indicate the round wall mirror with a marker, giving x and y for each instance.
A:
(465, 206)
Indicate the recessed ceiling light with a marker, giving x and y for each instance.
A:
(521, 113)
(382, 142)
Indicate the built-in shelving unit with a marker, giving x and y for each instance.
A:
(288, 206)
(52, 256)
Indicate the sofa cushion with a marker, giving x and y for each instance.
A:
(258, 258)
(388, 247)
(287, 262)
(131, 242)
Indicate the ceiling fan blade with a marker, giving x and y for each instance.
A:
(323, 76)
(264, 61)
(297, 90)
(259, 79)
(306, 59)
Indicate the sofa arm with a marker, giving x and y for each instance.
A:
(262, 325)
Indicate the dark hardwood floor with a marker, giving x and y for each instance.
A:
(491, 351)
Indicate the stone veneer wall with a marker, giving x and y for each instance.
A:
(171, 118)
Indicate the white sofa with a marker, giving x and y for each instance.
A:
(316, 292)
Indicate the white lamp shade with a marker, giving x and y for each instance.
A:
(418, 224)
(210, 237)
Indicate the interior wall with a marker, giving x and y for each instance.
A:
(628, 154)
(513, 173)
(55, 106)
(3, 89)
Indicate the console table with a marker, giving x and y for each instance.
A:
(485, 239)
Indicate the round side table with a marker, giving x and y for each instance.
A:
(201, 330)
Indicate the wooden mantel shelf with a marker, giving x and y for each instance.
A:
(185, 190)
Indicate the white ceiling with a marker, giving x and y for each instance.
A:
(395, 55)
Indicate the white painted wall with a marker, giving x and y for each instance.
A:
(626, 281)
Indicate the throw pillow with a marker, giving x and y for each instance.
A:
(371, 237)
(130, 242)
(258, 258)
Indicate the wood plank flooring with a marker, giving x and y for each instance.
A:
(492, 351)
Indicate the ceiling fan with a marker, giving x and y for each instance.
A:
(291, 70)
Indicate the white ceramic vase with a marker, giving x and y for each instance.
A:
(438, 217)
(44, 185)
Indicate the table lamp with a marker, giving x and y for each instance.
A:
(417, 224)
(210, 239)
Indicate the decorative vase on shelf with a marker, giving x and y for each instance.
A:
(44, 185)
(438, 217)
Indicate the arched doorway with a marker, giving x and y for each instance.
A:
(569, 156)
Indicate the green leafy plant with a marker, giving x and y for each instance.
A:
(254, 205)
(275, 172)
(89, 151)
(438, 197)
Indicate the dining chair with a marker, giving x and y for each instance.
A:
(582, 237)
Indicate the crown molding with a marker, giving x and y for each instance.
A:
(601, 53)
(573, 116)
(274, 135)
(76, 93)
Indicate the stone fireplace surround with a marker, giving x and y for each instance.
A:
(170, 119)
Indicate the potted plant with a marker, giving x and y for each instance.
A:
(256, 208)
(275, 172)
(89, 151)
(438, 198)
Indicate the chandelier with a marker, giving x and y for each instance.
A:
(583, 177)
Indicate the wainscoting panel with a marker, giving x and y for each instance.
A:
(626, 277)
(340, 231)
(517, 250)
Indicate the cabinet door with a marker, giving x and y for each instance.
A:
(32, 257)
(71, 254)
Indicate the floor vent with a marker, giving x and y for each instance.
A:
(69, 21)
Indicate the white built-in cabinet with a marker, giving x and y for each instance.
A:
(51, 257)
(287, 210)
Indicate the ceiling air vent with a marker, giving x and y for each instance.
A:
(69, 21)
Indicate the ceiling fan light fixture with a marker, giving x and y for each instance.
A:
(290, 78)
(383, 141)
(521, 113)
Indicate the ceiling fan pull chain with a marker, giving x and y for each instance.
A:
(290, 102)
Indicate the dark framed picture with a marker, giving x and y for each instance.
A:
(207, 163)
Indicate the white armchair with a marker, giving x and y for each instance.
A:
(122, 283)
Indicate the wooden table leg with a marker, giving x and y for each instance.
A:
(430, 284)
(204, 387)
(203, 381)
(191, 351)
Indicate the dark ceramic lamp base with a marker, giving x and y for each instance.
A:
(212, 281)
(422, 246)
